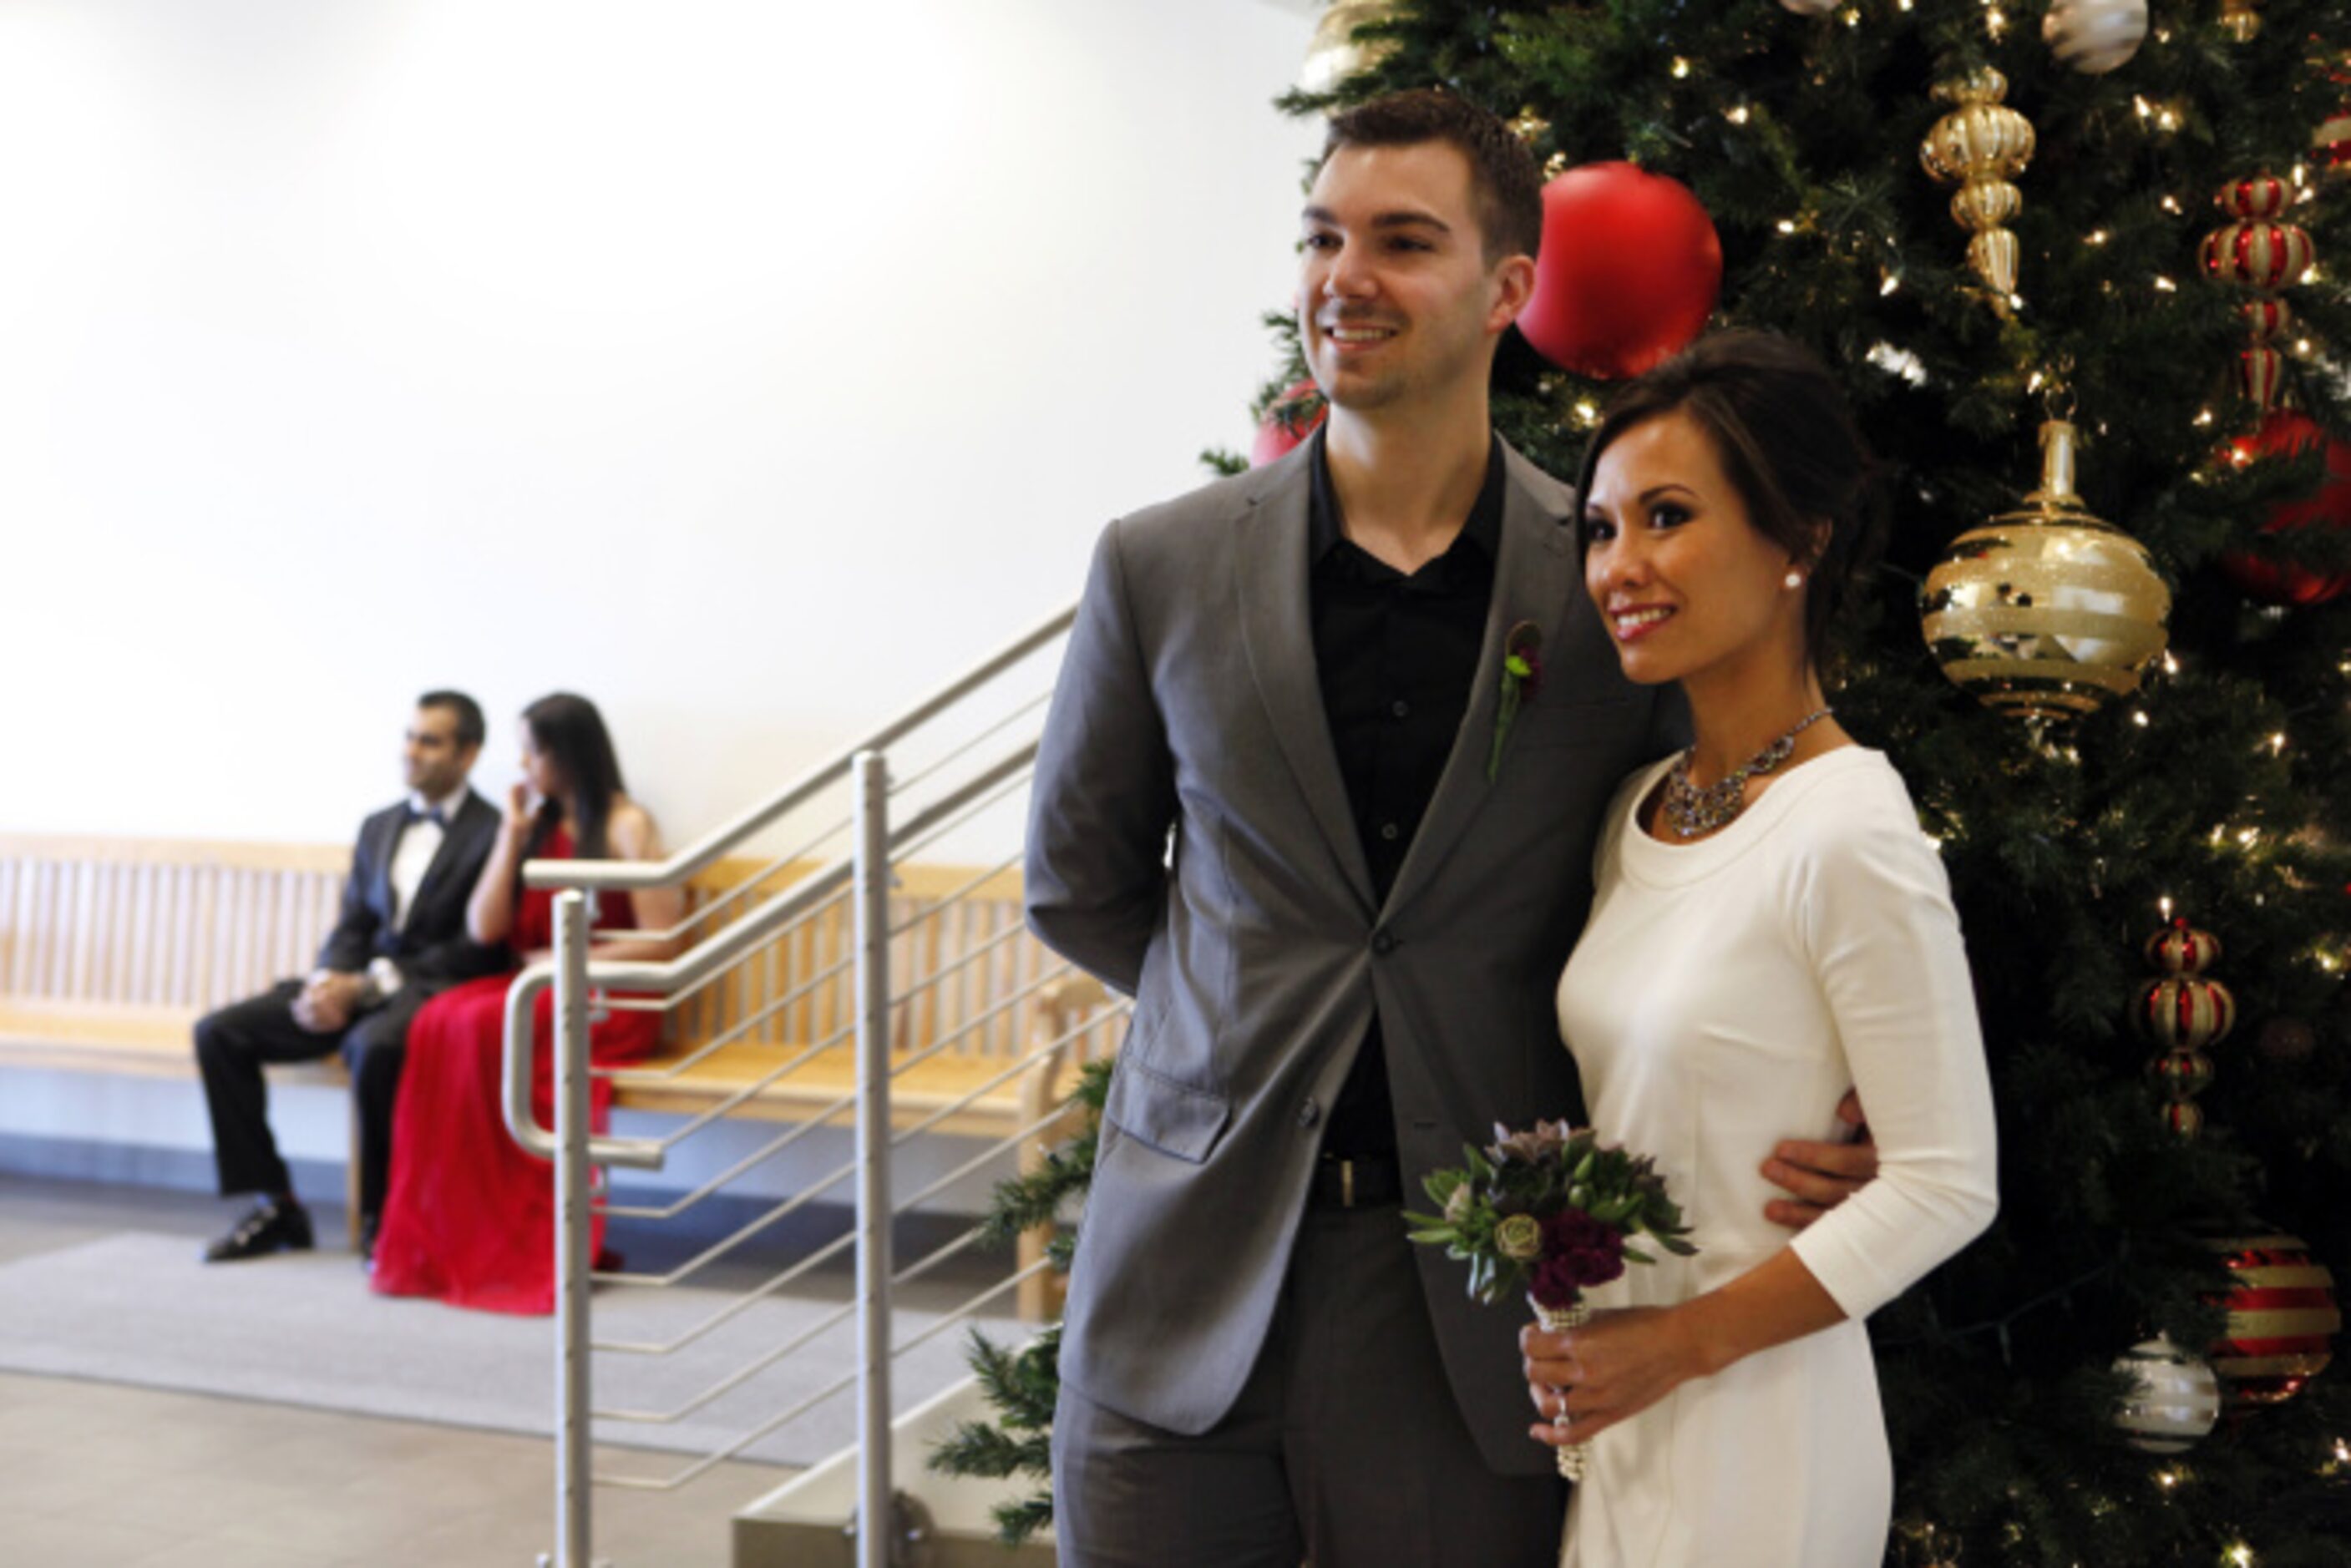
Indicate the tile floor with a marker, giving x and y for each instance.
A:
(96, 1475)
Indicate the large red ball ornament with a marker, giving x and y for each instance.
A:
(1628, 272)
(1289, 421)
(2285, 433)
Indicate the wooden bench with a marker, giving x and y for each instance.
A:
(112, 949)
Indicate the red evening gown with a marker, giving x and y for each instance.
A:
(470, 1217)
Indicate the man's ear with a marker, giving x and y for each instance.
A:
(1514, 285)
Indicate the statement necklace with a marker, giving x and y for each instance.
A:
(1693, 811)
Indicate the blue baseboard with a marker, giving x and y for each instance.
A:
(320, 1183)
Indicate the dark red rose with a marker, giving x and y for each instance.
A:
(1579, 1251)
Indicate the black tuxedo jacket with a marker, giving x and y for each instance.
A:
(431, 946)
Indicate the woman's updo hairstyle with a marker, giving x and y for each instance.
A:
(1786, 439)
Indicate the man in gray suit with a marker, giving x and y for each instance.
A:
(1278, 802)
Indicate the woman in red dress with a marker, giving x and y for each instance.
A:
(470, 1217)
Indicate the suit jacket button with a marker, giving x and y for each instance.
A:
(1383, 941)
(1308, 1114)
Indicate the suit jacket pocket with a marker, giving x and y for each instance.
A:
(1172, 1118)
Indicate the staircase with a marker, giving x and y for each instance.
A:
(938, 1015)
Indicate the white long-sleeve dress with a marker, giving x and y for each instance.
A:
(1724, 996)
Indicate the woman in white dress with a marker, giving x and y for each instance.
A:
(1770, 929)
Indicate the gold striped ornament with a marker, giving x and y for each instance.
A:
(2046, 612)
(1334, 54)
(1982, 145)
(2282, 1320)
(2186, 1013)
(2181, 949)
(2182, 1012)
(2260, 253)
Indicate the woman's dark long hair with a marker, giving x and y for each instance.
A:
(1786, 438)
(570, 731)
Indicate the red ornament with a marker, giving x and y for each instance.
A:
(2181, 1074)
(2186, 1013)
(2283, 1319)
(2332, 143)
(2259, 252)
(1290, 419)
(2261, 196)
(2181, 949)
(2285, 433)
(2332, 140)
(1627, 274)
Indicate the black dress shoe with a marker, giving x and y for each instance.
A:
(269, 1227)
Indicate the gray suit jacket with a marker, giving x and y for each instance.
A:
(1191, 843)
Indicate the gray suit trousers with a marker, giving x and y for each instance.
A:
(1330, 1456)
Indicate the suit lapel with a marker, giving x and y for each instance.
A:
(387, 845)
(1278, 630)
(1534, 581)
(455, 838)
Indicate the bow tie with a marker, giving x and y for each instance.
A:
(432, 815)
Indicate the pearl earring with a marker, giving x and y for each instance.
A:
(1794, 579)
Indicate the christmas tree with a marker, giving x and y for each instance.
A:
(2176, 1125)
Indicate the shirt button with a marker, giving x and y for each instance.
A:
(1389, 830)
(1383, 941)
(1400, 708)
(1308, 1114)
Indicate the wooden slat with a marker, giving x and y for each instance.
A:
(109, 949)
(178, 906)
(77, 847)
(12, 929)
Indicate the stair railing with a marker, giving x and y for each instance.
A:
(940, 767)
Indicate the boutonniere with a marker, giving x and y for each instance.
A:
(1521, 679)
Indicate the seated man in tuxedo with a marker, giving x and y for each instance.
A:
(400, 937)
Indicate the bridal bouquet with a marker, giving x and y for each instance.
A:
(1550, 1212)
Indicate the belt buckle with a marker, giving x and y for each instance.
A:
(1346, 1184)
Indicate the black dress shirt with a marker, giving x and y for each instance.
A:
(1395, 655)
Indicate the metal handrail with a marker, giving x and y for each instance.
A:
(697, 856)
(704, 961)
(895, 816)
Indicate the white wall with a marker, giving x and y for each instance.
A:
(745, 364)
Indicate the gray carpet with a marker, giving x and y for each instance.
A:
(303, 1329)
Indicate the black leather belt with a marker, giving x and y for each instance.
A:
(1364, 1182)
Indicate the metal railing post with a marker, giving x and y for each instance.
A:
(573, 1452)
(872, 900)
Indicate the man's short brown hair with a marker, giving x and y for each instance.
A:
(1503, 179)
